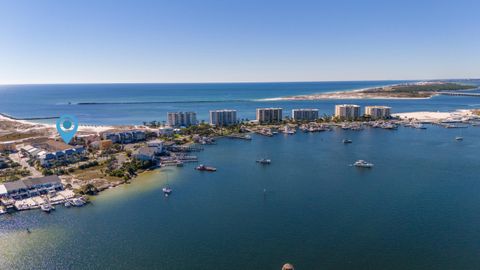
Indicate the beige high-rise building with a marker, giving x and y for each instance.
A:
(178, 119)
(223, 117)
(378, 112)
(347, 111)
(269, 115)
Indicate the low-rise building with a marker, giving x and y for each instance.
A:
(347, 111)
(145, 153)
(125, 137)
(101, 145)
(7, 147)
(305, 114)
(22, 189)
(157, 145)
(223, 117)
(378, 112)
(165, 131)
(269, 115)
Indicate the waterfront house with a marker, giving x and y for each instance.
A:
(42, 185)
(156, 145)
(22, 189)
(16, 189)
(165, 131)
(3, 191)
(145, 153)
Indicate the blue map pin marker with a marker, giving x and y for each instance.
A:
(67, 126)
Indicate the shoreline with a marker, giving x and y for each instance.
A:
(384, 92)
(469, 116)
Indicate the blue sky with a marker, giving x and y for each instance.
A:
(214, 41)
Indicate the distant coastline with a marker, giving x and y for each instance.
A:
(417, 90)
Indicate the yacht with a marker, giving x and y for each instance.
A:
(264, 161)
(78, 202)
(458, 138)
(347, 141)
(167, 191)
(363, 164)
(47, 208)
(205, 168)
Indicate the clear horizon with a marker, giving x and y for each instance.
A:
(56, 42)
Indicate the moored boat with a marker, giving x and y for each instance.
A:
(264, 161)
(205, 168)
(363, 164)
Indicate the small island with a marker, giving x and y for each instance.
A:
(417, 90)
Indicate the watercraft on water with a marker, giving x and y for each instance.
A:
(167, 191)
(458, 138)
(47, 208)
(264, 161)
(205, 168)
(347, 141)
(363, 164)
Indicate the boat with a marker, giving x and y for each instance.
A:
(347, 141)
(3, 211)
(458, 138)
(47, 208)
(205, 168)
(264, 161)
(363, 164)
(78, 202)
(167, 191)
(67, 204)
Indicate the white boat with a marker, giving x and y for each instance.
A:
(78, 202)
(167, 191)
(2, 211)
(363, 164)
(347, 141)
(264, 161)
(458, 138)
(46, 208)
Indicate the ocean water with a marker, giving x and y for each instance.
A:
(106, 104)
(418, 208)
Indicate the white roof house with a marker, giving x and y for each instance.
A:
(3, 190)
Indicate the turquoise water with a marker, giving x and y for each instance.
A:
(135, 103)
(418, 208)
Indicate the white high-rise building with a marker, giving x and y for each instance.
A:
(179, 119)
(269, 115)
(378, 112)
(223, 117)
(347, 111)
(305, 114)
